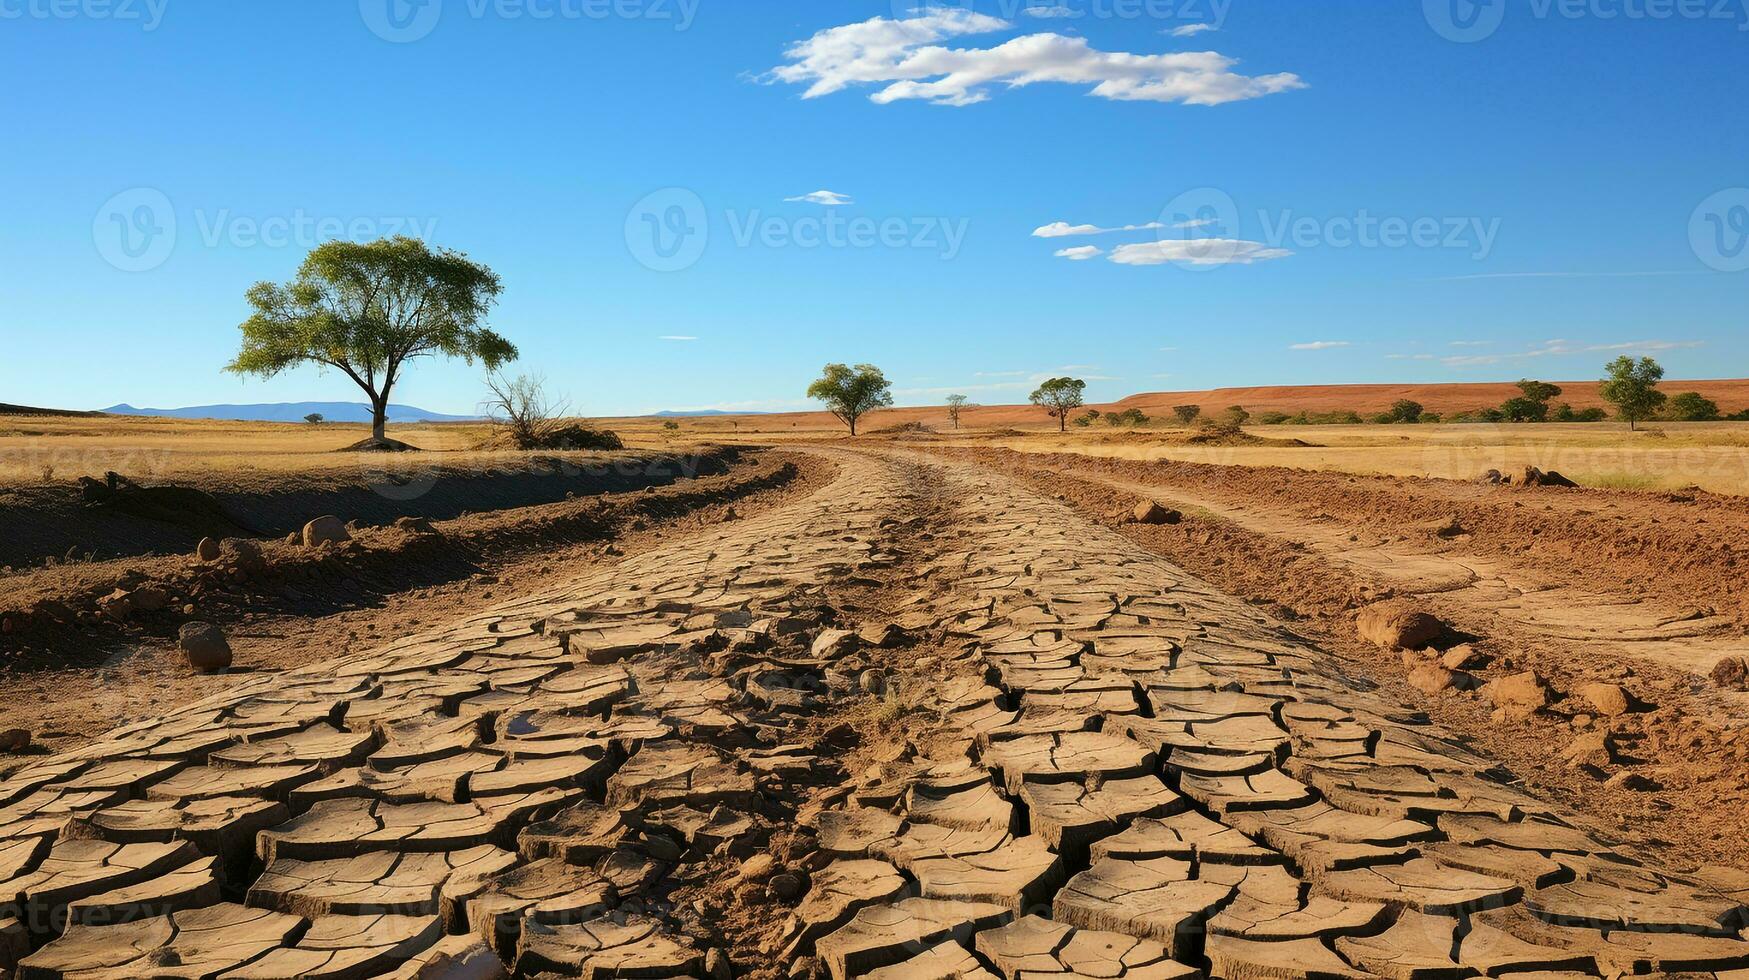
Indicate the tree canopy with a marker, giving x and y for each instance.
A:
(1060, 396)
(955, 405)
(367, 310)
(1632, 387)
(850, 394)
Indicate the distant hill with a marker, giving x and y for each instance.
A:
(700, 414)
(289, 412)
(6, 409)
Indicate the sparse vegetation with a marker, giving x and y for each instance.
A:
(369, 309)
(850, 394)
(1186, 414)
(1691, 406)
(1060, 396)
(315, 418)
(955, 404)
(1632, 387)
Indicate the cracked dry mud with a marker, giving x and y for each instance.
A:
(1114, 771)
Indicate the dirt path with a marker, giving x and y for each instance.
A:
(924, 722)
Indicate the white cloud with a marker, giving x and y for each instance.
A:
(1321, 345)
(1472, 343)
(1191, 30)
(902, 57)
(1081, 254)
(1408, 357)
(676, 338)
(1063, 229)
(1049, 12)
(1197, 251)
(1564, 348)
(831, 199)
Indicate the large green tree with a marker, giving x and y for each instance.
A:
(1632, 387)
(1060, 396)
(851, 393)
(367, 309)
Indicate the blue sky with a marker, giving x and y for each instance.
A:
(1342, 191)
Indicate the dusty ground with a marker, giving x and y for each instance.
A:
(737, 748)
(1634, 589)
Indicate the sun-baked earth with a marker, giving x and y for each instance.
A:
(920, 720)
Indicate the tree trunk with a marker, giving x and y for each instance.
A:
(1063, 420)
(379, 418)
(853, 428)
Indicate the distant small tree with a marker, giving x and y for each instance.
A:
(1522, 409)
(1060, 396)
(1404, 410)
(670, 428)
(955, 404)
(1383, 418)
(315, 418)
(1237, 414)
(1430, 418)
(1632, 387)
(1692, 406)
(368, 310)
(1592, 414)
(1272, 418)
(1186, 413)
(850, 393)
(1539, 391)
(1087, 419)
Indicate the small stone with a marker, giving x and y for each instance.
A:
(873, 682)
(833, 644)
(757, 868)
(1398, 625)
(1731, 674)
(1610, 700)
(1632, 781)
(1434, 679)
(1153, 512)
(325, 530)
(717, 966)
(1526, 690)
(730, 515)
(149, 598)
(117, 605)
(205, 647)
(207, 550)
(787, 886)
(1463, 657)
(14, 740)
(1591, 749)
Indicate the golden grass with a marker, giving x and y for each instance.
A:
(200, 451)
(1714, 456)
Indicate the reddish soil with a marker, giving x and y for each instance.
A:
(1685, 738)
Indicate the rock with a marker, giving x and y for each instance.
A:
(873, 682)
(1152, 512)
(832, 644)
(117, 605)
(757, 868)
(1731, 674)
(717, 965)
(205, 647)
(787, 886)
(207, 550)
(1632, 781)
(1445, 527)
(1398, 625)
(14, 740)
(415, 525)
(150, 598)
(1526, 691)
(1610, 700)
(730, 515)
(1534, 477)
(1434, 679)
(1591, 749)
(242, 553)
(886, 637)
(1463, 657)
(325, 530)
(1493, 478)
